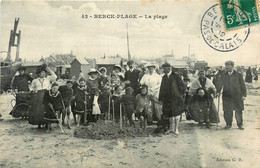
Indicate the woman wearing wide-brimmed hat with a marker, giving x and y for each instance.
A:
(93, 90)
(153, 80)
(103, 76)
(117, 77)
(43, 81)
(40, 85)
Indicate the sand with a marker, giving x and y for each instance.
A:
(23, 145)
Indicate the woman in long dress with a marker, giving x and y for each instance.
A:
(39, 86)
(249, 76)
(209, 87)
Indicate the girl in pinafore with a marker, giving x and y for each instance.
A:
(80, 100)
(53, 105)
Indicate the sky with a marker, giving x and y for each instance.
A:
(57, 27)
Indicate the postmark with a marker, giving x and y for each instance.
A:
(239, 13)
(214, 33)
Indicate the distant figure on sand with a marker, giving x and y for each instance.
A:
(249, 76)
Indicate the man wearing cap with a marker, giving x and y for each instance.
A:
(132, 77)
(20, 82)
(171, 94)
(153, 80)
(234, 93)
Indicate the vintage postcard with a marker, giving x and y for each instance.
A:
(135, 84)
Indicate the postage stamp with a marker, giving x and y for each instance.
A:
(239, 13)
(214, 33)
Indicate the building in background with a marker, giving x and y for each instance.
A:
(79, 65)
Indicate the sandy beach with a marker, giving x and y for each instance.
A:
(23, 145)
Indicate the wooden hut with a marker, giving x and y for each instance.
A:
(108, 63)
(79, 65)
(31, 67)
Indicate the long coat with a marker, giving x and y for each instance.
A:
(233, 89)
(171, 93)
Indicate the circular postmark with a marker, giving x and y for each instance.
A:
(215, 35)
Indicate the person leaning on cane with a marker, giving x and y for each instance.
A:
(234, 93)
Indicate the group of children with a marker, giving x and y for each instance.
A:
(106, 97)
(97, 98)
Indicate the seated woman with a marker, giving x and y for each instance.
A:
(206, 84)
(53, 105)
(143, 106)
(202, 107)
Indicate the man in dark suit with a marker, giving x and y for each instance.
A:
(131, 77)
(172, 97)
(234, 93)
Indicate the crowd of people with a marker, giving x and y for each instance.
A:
(144, 95)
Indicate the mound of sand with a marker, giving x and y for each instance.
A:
(108, 130)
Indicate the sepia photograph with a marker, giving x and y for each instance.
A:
(130, 84)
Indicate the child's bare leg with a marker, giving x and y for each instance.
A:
(171, 125)
(64, 116)
(68, 120)
(48, 127)
(177, 121)
(78, 120)
(141, 121)
(145, 122)
(75, 118)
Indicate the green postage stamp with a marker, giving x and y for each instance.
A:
(239, 13)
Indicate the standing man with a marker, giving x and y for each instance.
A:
(234, 93)
(172, 96)
(20, 82)
(132, 76)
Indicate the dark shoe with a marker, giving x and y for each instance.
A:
(241, 128)
(200, 124)
(227, 127)
(208, 125)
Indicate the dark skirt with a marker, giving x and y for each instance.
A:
(51, 116)
(36, 112)
(194, 112)
(248, 78)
